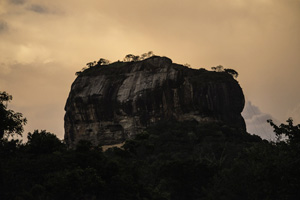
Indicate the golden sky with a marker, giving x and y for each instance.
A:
(43, 43)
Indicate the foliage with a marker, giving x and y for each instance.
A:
(135, 58)
(232, 72)
(119, 68)
(105, 62)
(100, 62)
(220, 68)
(263, 171)
(11, 122)
(287, 130)
(131, 58)
(171, 160)
(43, 142)
(168, 161)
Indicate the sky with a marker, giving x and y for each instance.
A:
(43, 43)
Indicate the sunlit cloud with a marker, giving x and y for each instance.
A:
(256, 121)
(31, 53)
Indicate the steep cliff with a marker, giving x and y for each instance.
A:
(108, 104)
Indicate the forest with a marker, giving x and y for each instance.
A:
(168, 161)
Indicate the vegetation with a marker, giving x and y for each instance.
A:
(220, 68)
(289, 131)
(134, 58)
(10, 122)
(171, 160)
(105, 62)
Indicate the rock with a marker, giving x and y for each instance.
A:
(108, 104)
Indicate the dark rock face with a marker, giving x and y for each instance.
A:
(108, 104)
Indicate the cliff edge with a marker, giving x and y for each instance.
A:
(108, 104)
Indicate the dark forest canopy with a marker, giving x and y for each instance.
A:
(170, 160)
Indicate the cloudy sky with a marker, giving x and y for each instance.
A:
(43, 43)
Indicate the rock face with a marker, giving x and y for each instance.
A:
(108, 104)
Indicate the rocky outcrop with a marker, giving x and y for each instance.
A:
(108, 104)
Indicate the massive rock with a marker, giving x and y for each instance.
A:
(108, 104)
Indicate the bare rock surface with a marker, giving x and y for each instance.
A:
(108, 104)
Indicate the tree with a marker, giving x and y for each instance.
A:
(232, 72)
(218, 68)
(146, 55)
(288, 130)
(150, 54)
(134, 58)
(103, 61)
(129, 57)
(10, 122)
(43, 142)
(91, 64)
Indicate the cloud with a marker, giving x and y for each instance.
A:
(3, 26)
(19, 2)
(256, 121)
(38, 9)
(31, 53)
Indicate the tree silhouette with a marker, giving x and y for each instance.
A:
(232, 72)
(103, 61)
(131, 58)
(128, 57)
(43, 142)
(10, 122)
(134, 58)
(218, 68)
(146, 55)
(91, 64)
(289, 130)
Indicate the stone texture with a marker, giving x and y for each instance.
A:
(108, 104)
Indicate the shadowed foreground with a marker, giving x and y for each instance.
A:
(171, 160)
